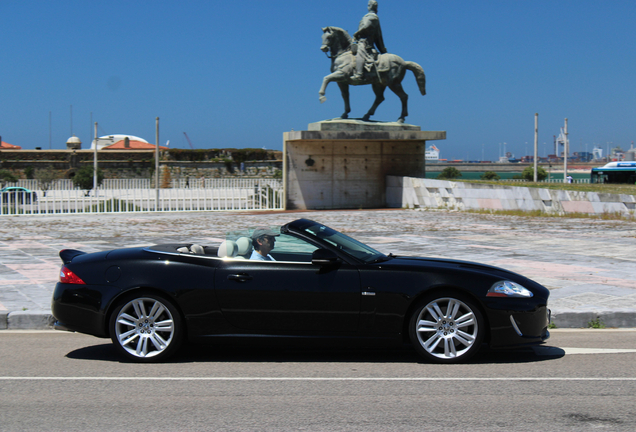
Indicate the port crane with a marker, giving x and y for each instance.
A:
(189, 142)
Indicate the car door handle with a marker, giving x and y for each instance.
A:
(239, 277)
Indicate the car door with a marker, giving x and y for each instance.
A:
(290, 295)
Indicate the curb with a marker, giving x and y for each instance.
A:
(26, 320)
(582, 319)
(43, 320)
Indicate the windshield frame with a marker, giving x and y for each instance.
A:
(334, 240)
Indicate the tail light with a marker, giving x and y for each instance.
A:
(68, 277)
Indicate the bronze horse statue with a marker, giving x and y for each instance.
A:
(388, 72)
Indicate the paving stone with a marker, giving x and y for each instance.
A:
(588, 264)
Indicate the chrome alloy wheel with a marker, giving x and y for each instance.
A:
(144, 327)
(447, 328)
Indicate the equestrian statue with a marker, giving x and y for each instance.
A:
(357, 62)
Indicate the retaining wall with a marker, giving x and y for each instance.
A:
(409, 192)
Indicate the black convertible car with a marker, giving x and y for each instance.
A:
(320, 284)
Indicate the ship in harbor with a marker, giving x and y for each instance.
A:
(432, 154)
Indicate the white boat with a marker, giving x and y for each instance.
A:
(432, 153)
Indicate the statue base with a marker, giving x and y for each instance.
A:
(357, 125)
(343, 163)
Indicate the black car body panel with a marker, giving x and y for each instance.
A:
(359, 293)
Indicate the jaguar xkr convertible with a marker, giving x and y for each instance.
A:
(313, 284)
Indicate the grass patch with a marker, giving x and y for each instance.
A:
(596, 324)
(611, 188)
(631, 217)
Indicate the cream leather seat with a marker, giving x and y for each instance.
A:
(228, 249)
(244, 245)
(197, 249)
(194, 249)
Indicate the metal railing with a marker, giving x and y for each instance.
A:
(552, 180)
(210, 195)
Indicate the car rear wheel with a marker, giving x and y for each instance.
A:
(446, 329)
(146, 328)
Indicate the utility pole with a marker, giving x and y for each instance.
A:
(565, 152)
(536, 145)
(95, 163)
(157, 165)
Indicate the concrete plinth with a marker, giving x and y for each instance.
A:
(342, 164)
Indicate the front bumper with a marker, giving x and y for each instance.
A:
(514, 328)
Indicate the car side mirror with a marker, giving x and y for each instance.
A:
(324, 257)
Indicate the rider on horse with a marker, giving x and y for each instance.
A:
(368, 36)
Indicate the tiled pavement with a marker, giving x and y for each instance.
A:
(589, 265)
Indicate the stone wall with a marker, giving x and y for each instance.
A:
(141, 163)
(409, 192)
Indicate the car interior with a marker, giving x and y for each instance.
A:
(239, 249)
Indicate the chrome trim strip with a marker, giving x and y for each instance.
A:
(515, 326)
(368, 293)
(212, 257)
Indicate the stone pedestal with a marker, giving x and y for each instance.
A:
(342, 164)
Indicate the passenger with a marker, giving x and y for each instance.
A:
(263, 240)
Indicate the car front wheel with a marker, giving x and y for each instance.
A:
(446, 329)
(146, 328)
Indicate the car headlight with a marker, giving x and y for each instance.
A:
(508, 289)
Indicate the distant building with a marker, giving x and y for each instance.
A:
(7, 146)
(73, 143)
(112, 139)
(128, 144)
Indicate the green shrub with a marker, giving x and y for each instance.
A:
(8, 176)
(490, 175)
(83, 178)
(528, 174)
(449, 173)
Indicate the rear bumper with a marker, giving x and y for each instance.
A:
(79, 308)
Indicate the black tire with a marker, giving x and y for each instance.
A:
(446, 328)
(146, 328)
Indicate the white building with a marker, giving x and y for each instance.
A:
(112, 139)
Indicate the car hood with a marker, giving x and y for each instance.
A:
(444, 262)
(451, 265)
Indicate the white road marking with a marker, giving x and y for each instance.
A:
(551, 351)
(49, 378)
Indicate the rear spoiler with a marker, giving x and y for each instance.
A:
(67, 255)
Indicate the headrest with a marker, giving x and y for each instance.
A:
(227, 249)
(244, 245)
(197, 249)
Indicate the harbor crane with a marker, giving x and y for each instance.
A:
(189, 142)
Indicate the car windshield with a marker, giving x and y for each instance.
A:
(343, 242)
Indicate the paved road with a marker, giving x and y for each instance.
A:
(55, 381)
(588, 264)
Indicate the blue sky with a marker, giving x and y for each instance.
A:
(235, 74)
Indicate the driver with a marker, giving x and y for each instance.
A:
(263, 240)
